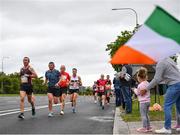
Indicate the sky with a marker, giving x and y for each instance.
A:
(69, 32)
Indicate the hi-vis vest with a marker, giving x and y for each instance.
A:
(74, 82)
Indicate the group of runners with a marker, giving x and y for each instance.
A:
(59, 83)
(102, 90)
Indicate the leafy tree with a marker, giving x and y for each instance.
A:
(7, 83)
(38, 86)
(114, 46)
(11, 84)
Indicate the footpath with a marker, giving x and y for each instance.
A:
(122, 127)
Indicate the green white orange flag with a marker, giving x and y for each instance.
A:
(158, 38)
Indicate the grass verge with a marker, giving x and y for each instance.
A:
(154, 115)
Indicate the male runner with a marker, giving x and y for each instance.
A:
(101, 90)
(108, 88)
(75, 83)
(63, 84)
(26, 88)
(53, 92)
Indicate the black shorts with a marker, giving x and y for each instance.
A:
(28, 88)
(71, 91)
(101, 93)
(64, 90)
(55, 91)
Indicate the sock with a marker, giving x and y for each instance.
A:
(32, 105)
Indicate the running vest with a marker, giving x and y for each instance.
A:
(108, 85)
(101, 85)
(64, 79)
(74, 82)
(24, 74)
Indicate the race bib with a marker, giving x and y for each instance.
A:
(101, 88)
(24, 79)
(76, 85)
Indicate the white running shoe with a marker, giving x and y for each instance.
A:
(95, 102)
(50, 114)
(62, 112)
(163, 131)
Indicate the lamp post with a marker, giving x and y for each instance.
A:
(134, 11)
(2, 66)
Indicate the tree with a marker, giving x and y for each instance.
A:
(39, 86)
(11, 84)
(114, 46)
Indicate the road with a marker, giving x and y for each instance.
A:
(89, 119)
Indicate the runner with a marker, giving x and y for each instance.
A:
(26, 88)
(75, 83)
(95, 91)
(101, 90)
(108, 89)
(53, 92)
(63, 84)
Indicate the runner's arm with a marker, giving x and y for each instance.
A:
(80, 81)
(34, 74)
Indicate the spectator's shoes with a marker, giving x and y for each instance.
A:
(149, 129)
(177, 127)
(142, 130)
(163, 131)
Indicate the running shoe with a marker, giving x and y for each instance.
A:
(62, 113)
(21, 116)
(50, 114)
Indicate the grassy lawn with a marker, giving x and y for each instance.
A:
(154, 115)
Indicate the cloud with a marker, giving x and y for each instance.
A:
(70, 32)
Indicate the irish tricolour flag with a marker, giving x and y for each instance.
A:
(158, 38)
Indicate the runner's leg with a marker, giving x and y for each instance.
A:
(22, 96)
(103, 101)
(31, 100)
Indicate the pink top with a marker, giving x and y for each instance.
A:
(146, 98)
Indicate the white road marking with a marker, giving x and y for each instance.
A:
(102, 118)
(13, 111)
(9, 110)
